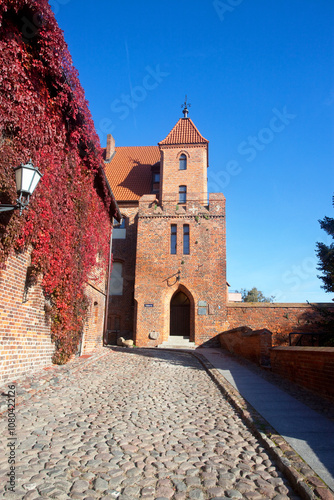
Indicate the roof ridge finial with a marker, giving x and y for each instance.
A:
(185, 107)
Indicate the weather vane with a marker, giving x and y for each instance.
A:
(185, 107)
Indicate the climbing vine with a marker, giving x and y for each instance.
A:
(45, 117)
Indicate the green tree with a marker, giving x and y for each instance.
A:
(254, 295)
(325, 254)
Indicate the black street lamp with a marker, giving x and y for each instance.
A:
(27, 177)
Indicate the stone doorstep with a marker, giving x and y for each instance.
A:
(176, 342)
(173, 347)
(177, 338)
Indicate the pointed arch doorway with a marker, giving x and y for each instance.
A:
(180, 315)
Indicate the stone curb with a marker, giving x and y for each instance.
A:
(46, 377)
(301, 476)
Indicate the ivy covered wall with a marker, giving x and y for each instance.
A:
(44, 117)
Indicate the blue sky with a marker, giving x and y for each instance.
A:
(259, 76)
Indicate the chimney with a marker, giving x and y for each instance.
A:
(110, 150)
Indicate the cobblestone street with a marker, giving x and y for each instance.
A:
(137, 424)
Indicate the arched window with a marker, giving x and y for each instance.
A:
(183, 162)
(116, 279)
(182, 194)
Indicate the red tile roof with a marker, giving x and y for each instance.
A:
(129, 171)
(184, 132)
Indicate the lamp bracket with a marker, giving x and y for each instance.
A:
(21, 203)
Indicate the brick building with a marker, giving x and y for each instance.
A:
(171, 242)
(25, 324)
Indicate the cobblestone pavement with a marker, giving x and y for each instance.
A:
(137, 424)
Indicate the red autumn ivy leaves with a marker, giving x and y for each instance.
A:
(44, 116)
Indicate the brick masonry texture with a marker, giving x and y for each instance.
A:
(25, 327)
(280, 319)
(252, 345)
(25, 337)
(309, 367)
(96, 292)
(194, 177)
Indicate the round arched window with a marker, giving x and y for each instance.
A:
(183, 162)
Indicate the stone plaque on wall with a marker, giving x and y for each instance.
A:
(212, 309)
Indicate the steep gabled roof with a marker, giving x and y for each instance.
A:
(184, 132)
(129, 172)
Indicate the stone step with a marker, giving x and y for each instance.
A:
(176, 341)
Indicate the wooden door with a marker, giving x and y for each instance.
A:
(180, 315)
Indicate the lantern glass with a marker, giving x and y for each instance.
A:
(18, 178)
(35, 180)
(27, 178)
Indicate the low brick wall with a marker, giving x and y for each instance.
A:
(280, 319)
(252, 345)
(309, 367)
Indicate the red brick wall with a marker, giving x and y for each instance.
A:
(25, 343)
(280, 319)
(252, 345)
(93, 330)
(310, 367)
(96, 292)
(194, 177)
(25, 327)
(203, 274)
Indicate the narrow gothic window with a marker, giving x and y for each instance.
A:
(173, 239)
(183, 162)
(186, 249)
(116, 279)
(182, 194)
